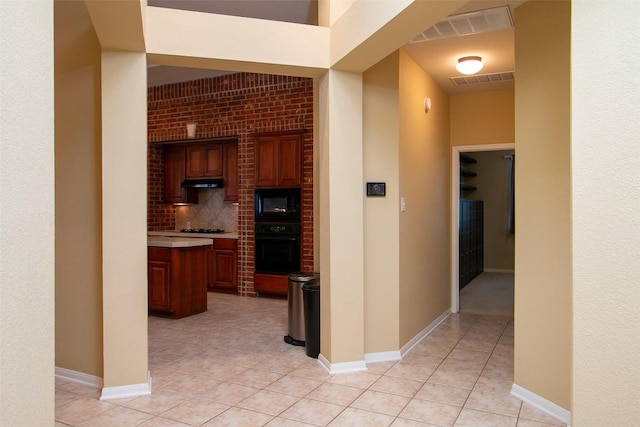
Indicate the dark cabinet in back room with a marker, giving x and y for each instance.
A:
(471, 240)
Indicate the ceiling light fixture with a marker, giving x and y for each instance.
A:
(469, 64)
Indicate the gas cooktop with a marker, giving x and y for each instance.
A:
(202, 230)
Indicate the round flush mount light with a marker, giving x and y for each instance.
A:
(469, 64)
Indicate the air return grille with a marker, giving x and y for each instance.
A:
(480, 21)
(482, 78)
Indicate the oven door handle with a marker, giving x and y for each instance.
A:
(277, 237)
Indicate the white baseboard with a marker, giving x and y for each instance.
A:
(426, 331)
(78, 377)
(542, 404)
(382, 356)
(126, 391)
(497, 270)
(342, 368)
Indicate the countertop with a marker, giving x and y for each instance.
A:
(177, 242)
(194, 235)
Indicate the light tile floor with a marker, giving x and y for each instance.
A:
(230, 367)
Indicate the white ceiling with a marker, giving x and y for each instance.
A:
(436, 57)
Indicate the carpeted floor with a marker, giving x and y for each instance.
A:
(488, 293)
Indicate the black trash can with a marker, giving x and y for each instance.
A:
(311, 292)
(296, 280)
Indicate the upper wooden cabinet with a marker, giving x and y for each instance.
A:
(278, 160)
(198, 160)
(204, 161)
(175, 172)
(230, 162)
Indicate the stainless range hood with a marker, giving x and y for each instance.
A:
(203, 183)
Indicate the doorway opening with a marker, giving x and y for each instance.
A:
(486, 271)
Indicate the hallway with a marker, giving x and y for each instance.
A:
(230, 367)
(488, 293)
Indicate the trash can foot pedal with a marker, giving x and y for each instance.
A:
(290, 340)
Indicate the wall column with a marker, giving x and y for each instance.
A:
(124, 224)
(26, 213)
(341, 220)
(605, 157)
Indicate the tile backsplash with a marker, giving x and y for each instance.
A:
(210, 212)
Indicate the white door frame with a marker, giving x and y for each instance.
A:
(455, 212)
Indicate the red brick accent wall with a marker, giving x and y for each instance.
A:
(238, 105)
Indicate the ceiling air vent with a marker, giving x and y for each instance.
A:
(482, 78)
(464, 24)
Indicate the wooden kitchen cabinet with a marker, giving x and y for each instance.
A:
(278, 160)
(175, 172)
(230, 161)
(222, 265)
(212, 158)
(159, 293)
(204, 161)
(177, 280)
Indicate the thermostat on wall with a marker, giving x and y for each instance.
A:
(376, 189)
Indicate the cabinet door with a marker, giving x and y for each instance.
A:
(204, 161)
(289, 161)
(222, 260)
(159, 285)
(266, 168)
(211, 267)
(213, 161)
(225, 272)
(195, 161)
(175, 173)
(230, 172)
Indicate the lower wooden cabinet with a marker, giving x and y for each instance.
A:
(272, 284)
(159, 285)
(222, 265)
(177, 281)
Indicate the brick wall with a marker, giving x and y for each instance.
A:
(238, 105)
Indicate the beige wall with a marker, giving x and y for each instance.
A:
(26, 214)
(424, 181)
(543, 201)
(78, 195)
(483, 118)
(341, 216)
(124, 218)
(493, 170)
(606, 218)
(382, 214)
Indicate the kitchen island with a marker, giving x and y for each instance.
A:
(222, 257)
(177, 276)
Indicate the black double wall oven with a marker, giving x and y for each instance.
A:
(277, 230)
